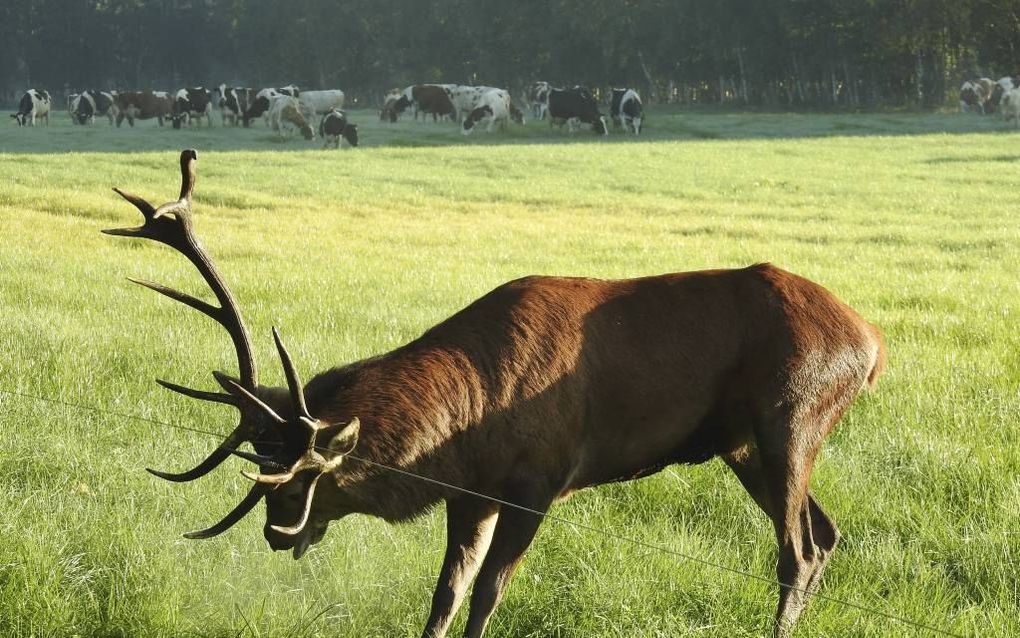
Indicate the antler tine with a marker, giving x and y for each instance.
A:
(201, 395)
(254, 495)
(297, 393)
(243, 394)
(170, 224)
(183, 297)
(300, 525)
(188, 158)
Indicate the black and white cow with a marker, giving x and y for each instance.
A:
(191, 104)
(233, 102)
(576, 104)
(92, 103)
(625, 108)
(334, 125)
(259, 106)
(34, 104)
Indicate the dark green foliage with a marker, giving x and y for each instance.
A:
(772, 53)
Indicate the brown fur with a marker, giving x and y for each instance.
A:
(142, 105)
(549, 385)
(542, 387)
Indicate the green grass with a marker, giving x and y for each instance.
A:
(909, 218)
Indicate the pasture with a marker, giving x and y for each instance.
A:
(909, 218)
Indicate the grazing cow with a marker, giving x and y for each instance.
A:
(315, 103)
(466, 99)
(991, 96)
(425, 99)
(233, 102)
(34, 104)
(143, 105)
(334, 125)
(495, 106)
(576, 104)
(388, 112)
(191, 104)
(972, 97)
(1010, 106)
(260, 104)
(285, 115)
(538, 99)
(91, 103)
(625, 108)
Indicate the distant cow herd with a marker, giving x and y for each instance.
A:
(288, 109)
(987, 96)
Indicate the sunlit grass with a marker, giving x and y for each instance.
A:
(355, 252)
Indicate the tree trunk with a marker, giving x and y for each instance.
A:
(650, 94)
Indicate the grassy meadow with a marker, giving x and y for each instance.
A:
(910, 218)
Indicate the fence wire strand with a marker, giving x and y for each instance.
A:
(544, 515)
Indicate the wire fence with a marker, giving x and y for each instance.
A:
(545, 515)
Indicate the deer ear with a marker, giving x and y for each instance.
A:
(344, 441)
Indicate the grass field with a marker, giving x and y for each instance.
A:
(912, 219)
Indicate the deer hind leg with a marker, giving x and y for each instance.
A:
(776, 475)
(469, 525)
(515, 529)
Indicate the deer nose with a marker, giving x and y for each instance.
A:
(277, 541)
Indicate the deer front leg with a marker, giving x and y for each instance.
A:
(514, 532)
(469, 525)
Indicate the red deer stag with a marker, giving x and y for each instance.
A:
(542, 387)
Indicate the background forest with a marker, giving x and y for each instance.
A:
(771, 53)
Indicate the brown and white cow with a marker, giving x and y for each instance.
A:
(143, 105)
(285, 115)
(34, 104)
(425, 99)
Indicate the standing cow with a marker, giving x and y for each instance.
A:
(143, 105)
(34, 104)
(573, 105)
(317, 103)
(625, 109)
(233, 102)
(191, 104)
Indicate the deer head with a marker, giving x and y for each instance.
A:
(293, 448)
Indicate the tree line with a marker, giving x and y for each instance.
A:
(759, 53)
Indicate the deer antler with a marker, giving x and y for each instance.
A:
(170, 224)
(311, 459)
